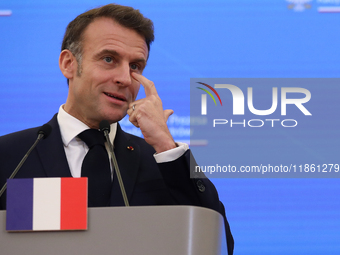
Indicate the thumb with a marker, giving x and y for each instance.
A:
(167, 114)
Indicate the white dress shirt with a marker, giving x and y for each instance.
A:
(76, 149)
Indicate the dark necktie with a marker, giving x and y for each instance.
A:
(96, 167)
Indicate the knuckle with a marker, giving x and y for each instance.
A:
(142, 107)
(154, 98)
(151, 84)
(138, 117)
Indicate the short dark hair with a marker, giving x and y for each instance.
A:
(123, 15)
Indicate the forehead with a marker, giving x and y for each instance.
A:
(105, 33)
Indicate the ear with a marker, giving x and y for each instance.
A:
(68, 64)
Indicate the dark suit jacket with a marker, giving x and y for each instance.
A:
(146, 182)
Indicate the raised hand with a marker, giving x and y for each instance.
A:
(149, 116)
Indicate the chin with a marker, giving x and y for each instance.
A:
(114, 118)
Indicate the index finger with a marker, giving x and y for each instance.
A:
(148, 85)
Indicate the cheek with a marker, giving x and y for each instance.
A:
(134, 91)
(99, 77)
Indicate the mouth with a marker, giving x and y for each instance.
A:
(118, 97)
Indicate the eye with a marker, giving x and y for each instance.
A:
(134, 67)
(107, 59)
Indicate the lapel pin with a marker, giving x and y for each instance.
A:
(130, 148)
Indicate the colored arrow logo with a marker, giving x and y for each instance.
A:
(209, 93)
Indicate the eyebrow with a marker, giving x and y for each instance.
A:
(106, 52)
(115, 53)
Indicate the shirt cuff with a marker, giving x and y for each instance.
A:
(171, 155)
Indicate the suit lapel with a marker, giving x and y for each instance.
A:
(128, 162)
(52, 153)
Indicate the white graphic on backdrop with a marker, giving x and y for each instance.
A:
(299, 5)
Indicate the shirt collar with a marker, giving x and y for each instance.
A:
(70, 127)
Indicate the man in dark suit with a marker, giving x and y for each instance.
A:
(104, 53)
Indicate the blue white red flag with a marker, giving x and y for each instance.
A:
(45, 204)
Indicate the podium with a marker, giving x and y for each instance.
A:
(144, 230)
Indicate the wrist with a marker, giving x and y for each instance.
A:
(165, 145)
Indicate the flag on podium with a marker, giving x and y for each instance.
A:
(46, 204)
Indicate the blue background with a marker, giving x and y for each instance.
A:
(196, 39)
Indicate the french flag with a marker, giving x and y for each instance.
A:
(46, 204)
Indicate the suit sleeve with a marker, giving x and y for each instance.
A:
(193, 190)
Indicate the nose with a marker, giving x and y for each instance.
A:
(122, 75)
